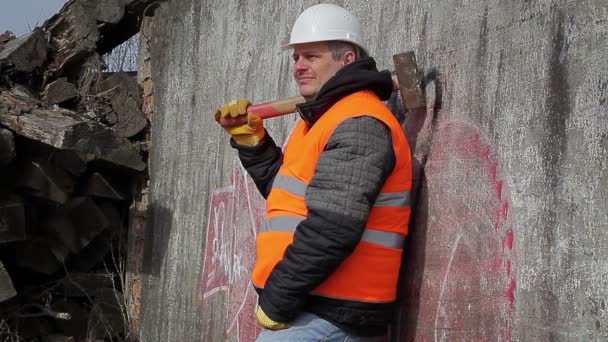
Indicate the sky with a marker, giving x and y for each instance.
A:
(21, 16)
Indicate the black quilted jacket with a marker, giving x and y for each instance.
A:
(349, 175)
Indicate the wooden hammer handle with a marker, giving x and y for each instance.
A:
(286, 106)
(276, 108)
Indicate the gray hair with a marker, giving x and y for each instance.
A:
(338, 48)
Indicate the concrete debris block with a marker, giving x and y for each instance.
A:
(73, 36)
(105, 145)
(6, 37)
(12, 220)
(98, 186)
(114, 35)
(60, 228)
(60, 91)
(79, 222)
(36, 255)
(73, 162)
(16, 101)
(92, 254)
(126, 103)
(125, 80)
(7, 291)
(87, 27)
(84, 212)
(59, 250)
(127, 155)
(130, 119)
(46, 125)
(113, 215)
(86, 284)
(41, 181)
(64, 129)
(107, 11)
(8, 174)
(26, 52)
(7, 147)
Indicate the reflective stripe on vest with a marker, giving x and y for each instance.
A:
(285, 223)
(337, 297)
(298, 188)
(290, 184)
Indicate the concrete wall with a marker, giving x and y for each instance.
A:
(511, 153)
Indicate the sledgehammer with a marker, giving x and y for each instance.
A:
(405, 79)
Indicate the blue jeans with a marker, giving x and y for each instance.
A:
(311, 328)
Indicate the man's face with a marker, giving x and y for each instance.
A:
(314, 65)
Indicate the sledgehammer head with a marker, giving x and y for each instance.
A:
(409, 82)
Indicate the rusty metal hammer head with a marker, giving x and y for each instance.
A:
(406, 70)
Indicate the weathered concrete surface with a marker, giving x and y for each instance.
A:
(512, 152)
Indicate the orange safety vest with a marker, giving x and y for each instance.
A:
(370, 273)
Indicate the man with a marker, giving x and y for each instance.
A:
(329, 252)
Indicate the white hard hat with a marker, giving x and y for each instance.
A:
(325, 22)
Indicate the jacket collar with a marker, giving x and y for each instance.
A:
(359, 75)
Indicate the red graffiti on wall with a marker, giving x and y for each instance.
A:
(235, 213)
(468, 288)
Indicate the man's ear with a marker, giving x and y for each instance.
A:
(348, 57)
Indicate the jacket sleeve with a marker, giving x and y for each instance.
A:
(262, 162)
(350, 172)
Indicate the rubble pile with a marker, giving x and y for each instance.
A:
(72, 143)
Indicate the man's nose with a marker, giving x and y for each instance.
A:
(300, 66)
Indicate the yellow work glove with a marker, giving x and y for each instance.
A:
(267, 322)
(250, 133)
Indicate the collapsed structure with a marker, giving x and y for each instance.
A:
(73, 152)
